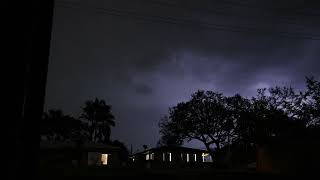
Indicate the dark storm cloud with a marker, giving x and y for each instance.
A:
(143, 89)
(142, 68)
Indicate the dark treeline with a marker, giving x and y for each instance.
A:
(93, 126)
(219, 121)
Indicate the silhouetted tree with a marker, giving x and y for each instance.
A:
(218, 121)
(290, 112)
(170, 135)
(311, 104)
(168, 138)
(55, 126)
(124, 152)
(271, 121)
(241, 122)
(204, 117)
(145, 147)
(99, 119)
(284, 112)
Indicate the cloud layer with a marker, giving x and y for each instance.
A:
(144, 68)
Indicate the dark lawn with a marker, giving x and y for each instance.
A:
(104, 173)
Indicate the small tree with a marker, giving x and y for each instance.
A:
(55, 126)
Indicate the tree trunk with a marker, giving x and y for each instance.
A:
(218, 157)
(211, 153)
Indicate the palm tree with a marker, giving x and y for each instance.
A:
(99, 120)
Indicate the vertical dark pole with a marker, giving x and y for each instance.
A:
(29, 43)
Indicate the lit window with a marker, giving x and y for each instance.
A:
(147, 157)
(170, 157)
(163, 157)
(104, 159)
(152, 156)
(203, 156)
(187, 157)
(206, 157)
(195, 157)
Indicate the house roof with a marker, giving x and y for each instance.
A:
(172, 148)
(70, 145)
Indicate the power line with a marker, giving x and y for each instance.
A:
(192, 23)
(285, 21)
(270, 9)
(171, 20)
(282, 20)
(246, 4)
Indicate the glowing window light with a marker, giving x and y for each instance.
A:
(195, 157)
(204, 155)
(152, 156)
(170, 157)
(147, 157)
(104, 159)
(188, 157)
(163, 157)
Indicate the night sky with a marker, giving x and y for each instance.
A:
(144, 56)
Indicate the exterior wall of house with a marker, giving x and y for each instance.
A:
(94, 158)
(78, 156)
(57, 158)
(115, 159)
(178, 158)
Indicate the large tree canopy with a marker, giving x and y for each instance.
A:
(218, 121)
(204, 118)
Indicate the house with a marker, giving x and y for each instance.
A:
(72, 154)
(289, 156)
(171, 157)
